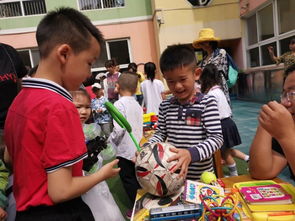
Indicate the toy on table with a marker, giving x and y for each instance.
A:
(153, 171)
(150, 121)
(210, 178)
(121, 120)
(218, 207)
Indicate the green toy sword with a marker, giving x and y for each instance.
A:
(121, 120)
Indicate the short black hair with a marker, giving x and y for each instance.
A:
(110, 63)
(66, 26)
(177, 56)
(292, 41)
(80, 92)
(132, 66)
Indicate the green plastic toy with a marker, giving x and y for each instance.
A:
(121, 120)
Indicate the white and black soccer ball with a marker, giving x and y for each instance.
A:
(153, 170)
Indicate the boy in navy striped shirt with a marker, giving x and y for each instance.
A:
(189, 120)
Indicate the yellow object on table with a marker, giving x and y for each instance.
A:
(143, 203)
(268, 212)
(147, 117)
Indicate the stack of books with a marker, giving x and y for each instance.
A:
(266, 195)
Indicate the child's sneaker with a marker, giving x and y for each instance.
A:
(129, 214)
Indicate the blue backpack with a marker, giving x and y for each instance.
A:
(232, 75)
(232, 71)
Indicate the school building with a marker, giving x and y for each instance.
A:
(246, 29)
(126, 25)
(264, 23)
(139, 30)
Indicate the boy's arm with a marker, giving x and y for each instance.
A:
(278, 122)
(62, 186)
(272, 54)
(264, 162)
(212, 127)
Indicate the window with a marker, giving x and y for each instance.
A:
(30, 57)
(100, 4)
(252, 30)
(266, 23)
(266, 60)
(118, 49)
(270, 26)
(11, 8)
(286, 9)
(254, 57)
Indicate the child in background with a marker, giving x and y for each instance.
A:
(189, 120)
(43, 132)
(132, 67)
(120, 138)
(210, 84)
(99, 197)
(152, 89)
(101, 115)
(109, 83)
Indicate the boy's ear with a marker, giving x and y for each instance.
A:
(63, 52)
(197, 73)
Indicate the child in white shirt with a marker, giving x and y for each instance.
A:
(120, 139)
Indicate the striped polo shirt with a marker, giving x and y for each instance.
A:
(195, 126)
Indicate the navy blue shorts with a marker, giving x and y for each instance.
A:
(72, 210)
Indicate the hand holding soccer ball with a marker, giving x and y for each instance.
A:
(155, 173)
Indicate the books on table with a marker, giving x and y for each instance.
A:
(266, 194)
(193, 190)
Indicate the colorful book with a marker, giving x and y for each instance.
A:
(194, 189)
(266, 195)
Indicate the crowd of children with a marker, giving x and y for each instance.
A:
(64, 174)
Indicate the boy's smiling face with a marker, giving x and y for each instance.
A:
(181, 82)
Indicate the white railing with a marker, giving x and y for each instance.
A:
(100, 4)
(22, 8)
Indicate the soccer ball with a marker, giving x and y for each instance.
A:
(153, 170)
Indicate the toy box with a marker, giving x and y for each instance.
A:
(273, 212)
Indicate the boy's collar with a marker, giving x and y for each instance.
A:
(196, 98)
(46, 84)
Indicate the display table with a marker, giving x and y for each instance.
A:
(145, 201)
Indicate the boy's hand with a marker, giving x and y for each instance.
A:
(183, 157)
(135, 156)
(108, 169)
(3, 214)
(270, 49)
(276, 120)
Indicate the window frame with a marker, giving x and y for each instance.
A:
(109, 56)
(22, 9)
(260, 43)
(85, 10)
(32, 62)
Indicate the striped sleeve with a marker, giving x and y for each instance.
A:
(212, 128)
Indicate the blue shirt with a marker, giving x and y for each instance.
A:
(104, 116)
